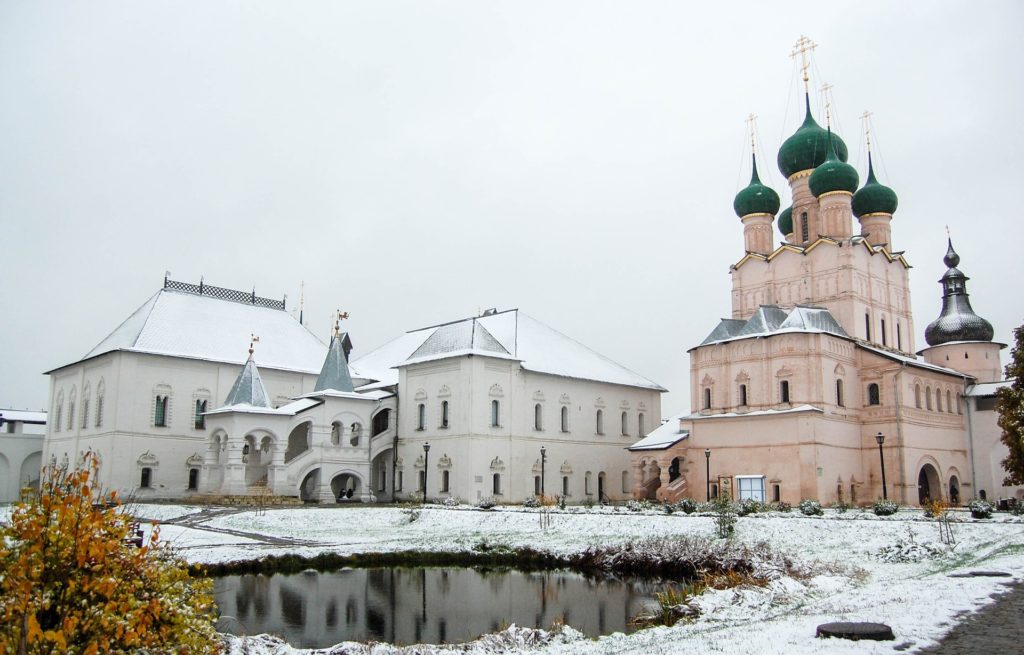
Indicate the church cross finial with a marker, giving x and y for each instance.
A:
(752, 126)
(826, 95)
(866, 119)
(803, 47)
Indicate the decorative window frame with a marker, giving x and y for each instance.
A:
(162, 390)
(101, 392)
(200, 395)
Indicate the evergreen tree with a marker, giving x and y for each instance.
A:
(1010, 405)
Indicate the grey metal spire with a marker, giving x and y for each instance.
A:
(248, 388)
(334, 374)
(957, 320)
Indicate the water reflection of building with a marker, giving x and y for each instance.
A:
(416, 605)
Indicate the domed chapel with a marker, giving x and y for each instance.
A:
(813, 388)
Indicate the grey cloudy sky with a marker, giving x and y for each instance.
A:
(414, 162)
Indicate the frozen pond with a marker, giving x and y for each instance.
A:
(422, 605)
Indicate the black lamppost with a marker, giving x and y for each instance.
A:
(707, 458)
(880, 438)
(426, 469)
(543, 458)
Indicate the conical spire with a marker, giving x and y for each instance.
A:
(957, 321)
(334, 374)
(248, 388)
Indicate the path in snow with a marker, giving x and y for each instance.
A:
(198, 521)
(996, 628)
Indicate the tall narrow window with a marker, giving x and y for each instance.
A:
(160, 412)
(776, 493)
(355, 432)
(496, 484)
(71, 411)
(495, 413)
(839, 394)
(536, 485)
(85, 412)
(949, 402)
(565, 419)
(193, 479)
(399, 480)
(200, 423)
(625, 482)
(928, 398)
(444, 414)
(938, 400)
(959, 403)
(336, 433)
(874, 394)
(586, 483)
(600, 422)
(805, 229)
(445, 481)
(784, 391)
(421, 417)
(707, 397)
(565, 485)
(640, 426)
(380, 421)
(867, 327)
(537, 417)
(147, 478)
(917, 396)
(422, 484)
(625, 424)
(58, 409)
(743, 395)
(883, 333)
(899, 337)
(99, 404)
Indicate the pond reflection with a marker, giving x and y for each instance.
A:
(422, 605)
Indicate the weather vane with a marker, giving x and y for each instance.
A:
(803, 47)
(253, 340)
(337, 322)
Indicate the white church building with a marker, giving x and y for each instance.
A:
(498, 405)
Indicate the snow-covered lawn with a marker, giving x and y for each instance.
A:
(893, 570)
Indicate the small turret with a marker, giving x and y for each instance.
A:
(957, 320)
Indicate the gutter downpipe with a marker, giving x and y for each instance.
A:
(899, 434)
(970, 441)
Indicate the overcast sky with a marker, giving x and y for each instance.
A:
(414, 162)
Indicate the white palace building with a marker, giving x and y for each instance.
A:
(495, 405)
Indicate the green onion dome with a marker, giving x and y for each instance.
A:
(807, 148)
(833, 174)
(756, 198)
(786, 221)
(874, 197)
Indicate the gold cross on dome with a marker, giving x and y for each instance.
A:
(752, 125)
(866, 120)
(803, 47)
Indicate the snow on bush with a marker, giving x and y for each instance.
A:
(531, 501)
(452, 501)
(687, 505)
(980, 509)
(908, 550)
(810, 507)
(782, 507)
(486, 503)
(885, 507)
(638, 505)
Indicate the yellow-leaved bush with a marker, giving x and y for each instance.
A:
(72, 582)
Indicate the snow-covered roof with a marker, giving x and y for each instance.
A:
(982, 389)
(23, 416)
(248, 388)
(181, 324)
(911, 361)
(664, 436)
(508, 335)
(335, 374)
(771, 319)
(760, 412)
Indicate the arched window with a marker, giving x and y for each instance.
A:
(193, 479)
(422, 484)
(899, 337)
(444, 413)
(625, 482)
(100, 392)
(707, 397)
(949, 401)
(336, 433)
(565, 485)
(600, 421)
(85, 410)
(160, 411)
(938, 400)
(565, 419)
(58, 409)
(147, 478)
(537, 414)
(71, 409)
(928, 398)
(839, 394)
(640, 426)
(445, 481)
(784, 391)
(200, 418)
(421, 417)
(536, 485)
(959, 403)
(586, 483)
(867, 327)
(917, 396)
(355, 433)
(883, 333)
(380, 421)
(625, 424)
(496, 484)
(805, 229)
(495, 414)
(743, 395)
(874, 396)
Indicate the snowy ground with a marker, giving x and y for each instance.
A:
(893, 570)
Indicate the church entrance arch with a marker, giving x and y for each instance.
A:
(928, 485)
(346, 487)
(298, 441)
(310, 487)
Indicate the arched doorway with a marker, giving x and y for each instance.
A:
(346, 487)
(954, 491)
(601, 495)
(298, 441)
(30, 471)
(673, 470)
(309, 490)
(928, 485)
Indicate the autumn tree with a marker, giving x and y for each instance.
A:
(71, 581)
(1010, 405)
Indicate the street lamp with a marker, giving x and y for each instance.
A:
(707, 458)
(426, 468)
(543, 458)
(880, 438)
